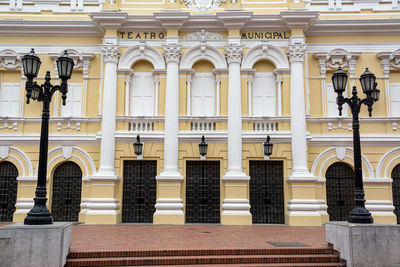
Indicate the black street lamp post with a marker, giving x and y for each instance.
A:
(359, 214)
(39, 214)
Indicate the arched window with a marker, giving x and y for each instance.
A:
(339, 191)
(67, 186)
(143, 93)
(8, 190)
(264, 95)
(396, 191)
(203, 89)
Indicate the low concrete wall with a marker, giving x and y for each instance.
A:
(365, 245)
(35, 245)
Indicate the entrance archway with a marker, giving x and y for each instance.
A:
(67, 187)
(339, 191)
(8, 190)
(396, 191)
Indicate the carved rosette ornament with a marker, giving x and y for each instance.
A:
(202, 5)
(172, 53)
(296, 52)
(110, 53)
(233, 53)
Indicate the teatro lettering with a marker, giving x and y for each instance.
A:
(142, 35)
(265, 35)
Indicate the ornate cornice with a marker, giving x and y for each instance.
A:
(110, 53)
(233, 53)
(172, 53)
(10, 59)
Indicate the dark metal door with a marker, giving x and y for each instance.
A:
(266, 192)
(67, 187)
(339, 191)
(8, 190)
(139, 191)
(202, 192)
(396, 191)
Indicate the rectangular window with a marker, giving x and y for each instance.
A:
(395, 99)
(142, 94)
(203, 94)
(73, 106)
(331, 106)
(264, 94)
(9, 99)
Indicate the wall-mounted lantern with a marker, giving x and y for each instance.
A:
(138, 148)
(203, 148)
(268, 146)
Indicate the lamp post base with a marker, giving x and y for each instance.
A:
(360, 215)
(38, 217)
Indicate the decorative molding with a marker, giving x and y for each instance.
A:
(203, 52)
(81, 60)
(4, 152)
(10, 59)
(172, 53)
(266, 51)
(77, 126)
(340, 125)
(296, 52)
(6, 125)
(110, 53)
(233, 53)
(202, 5)
(67, 152)
(203, 36)
(141, 51)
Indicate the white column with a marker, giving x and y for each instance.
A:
(234, 56)
(279, 80)
(172, 55)
(235, 206)
(128, 80)
(218, 98)
(297, 109)
(108, 124)
(250, 96)
(156, 89)
(170, 208)
(189, 95)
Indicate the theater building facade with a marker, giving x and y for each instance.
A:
(233, 71)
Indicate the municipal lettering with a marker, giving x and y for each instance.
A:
(265, 35)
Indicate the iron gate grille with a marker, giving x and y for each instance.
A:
(139, 191)
(266, 192)
(67, 186)
(396, 191)
(339, 191)
(8, 190)
(202, 192)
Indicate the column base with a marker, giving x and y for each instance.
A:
(169, 211)
(100, 211)
(236, 205)
(236, 212)
(23, 206)
(306, 212)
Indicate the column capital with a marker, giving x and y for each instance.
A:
(110, 53)
(233, 53)
(296, 52)
(172, 53)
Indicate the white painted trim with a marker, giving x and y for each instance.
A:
(323, 154)
(141, 52)
(384, 158)
(265, 51)
(24, 157)
(203, 52)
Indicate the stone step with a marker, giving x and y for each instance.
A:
(203, 260)
(198, 252)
